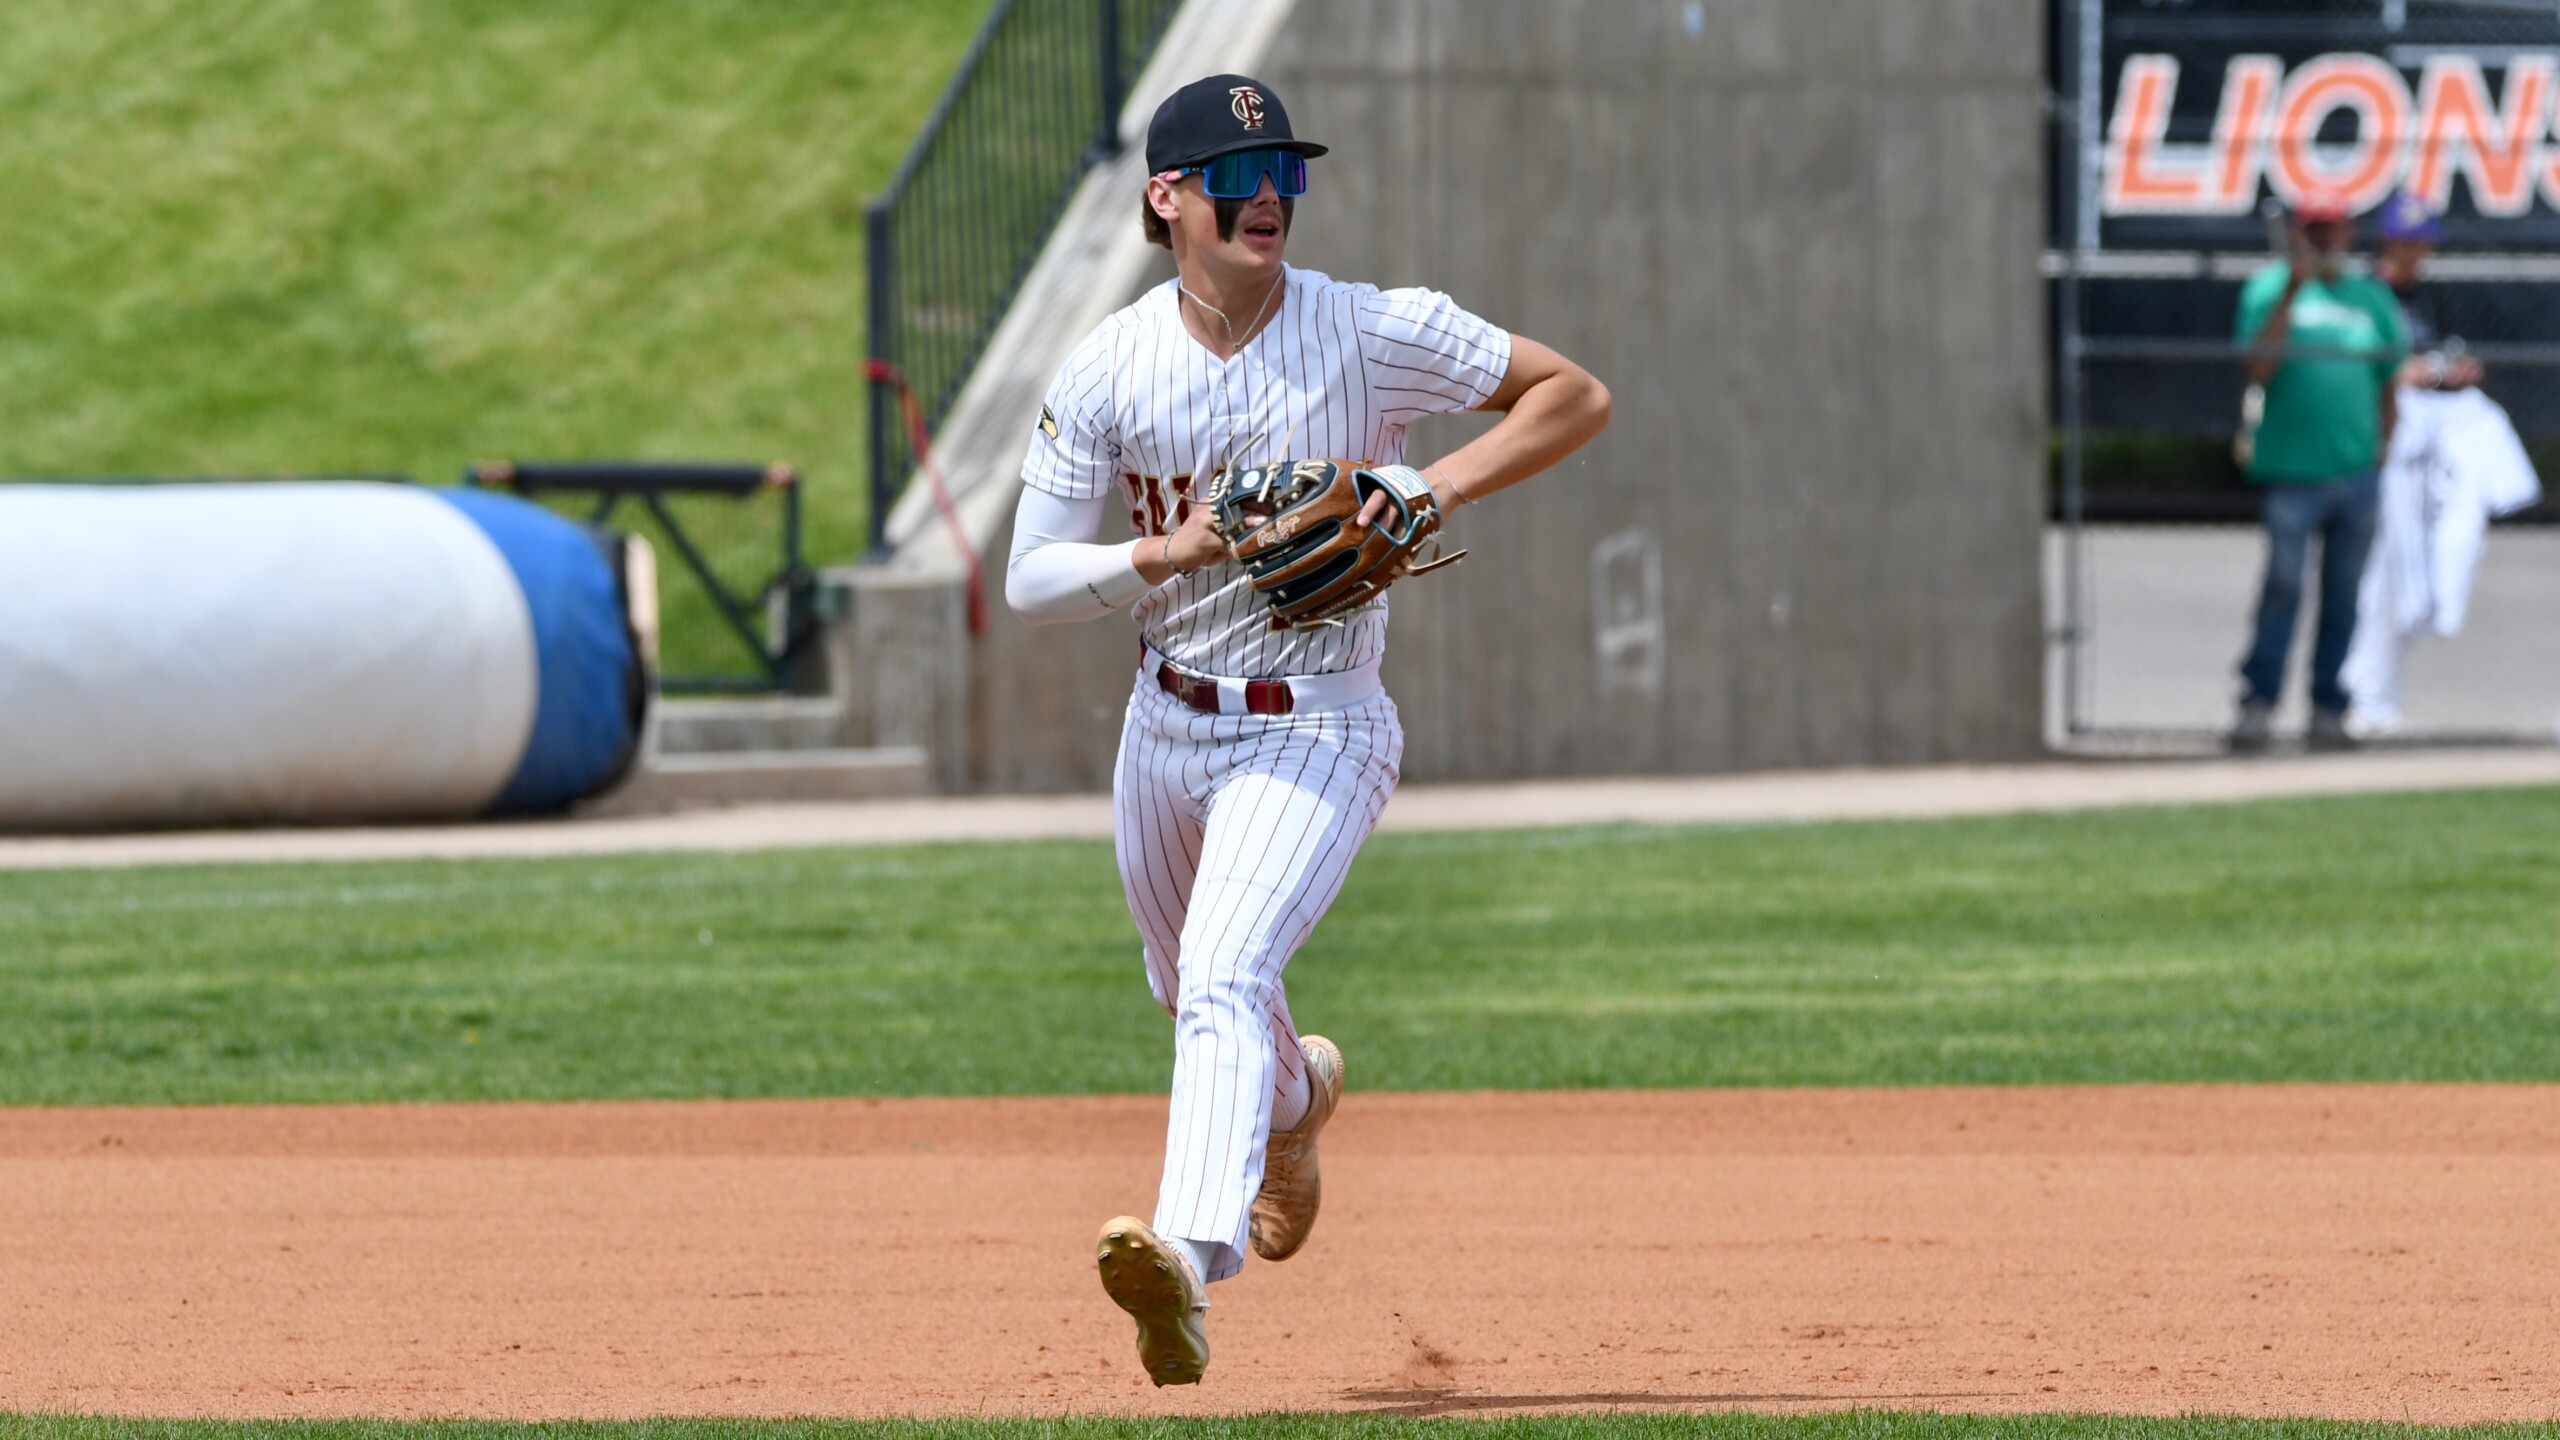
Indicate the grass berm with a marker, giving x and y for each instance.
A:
(399, 236)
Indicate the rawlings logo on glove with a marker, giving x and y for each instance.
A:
(1289, 526)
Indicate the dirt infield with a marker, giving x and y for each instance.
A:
(2362, 1252)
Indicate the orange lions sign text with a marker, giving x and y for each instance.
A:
(2267, 121)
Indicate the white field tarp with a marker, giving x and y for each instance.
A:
(189, 654)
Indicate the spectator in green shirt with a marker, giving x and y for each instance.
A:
(2325, 345)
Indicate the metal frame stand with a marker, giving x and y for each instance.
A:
(649, 484)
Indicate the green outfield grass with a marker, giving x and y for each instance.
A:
(2383, 938)
(1853, 1425)
(295, 235)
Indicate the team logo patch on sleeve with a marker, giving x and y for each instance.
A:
(1048, 423)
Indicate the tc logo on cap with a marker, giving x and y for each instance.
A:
(1248, 106)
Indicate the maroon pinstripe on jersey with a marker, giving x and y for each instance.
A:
(1141, 407)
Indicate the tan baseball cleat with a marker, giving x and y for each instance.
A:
(1153, 1282)
(1292, 1187)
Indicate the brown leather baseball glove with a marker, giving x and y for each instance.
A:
(1289, 526)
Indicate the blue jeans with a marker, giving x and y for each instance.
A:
(2341, 513)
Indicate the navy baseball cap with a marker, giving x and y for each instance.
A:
(1218, 116)
(2406, 217)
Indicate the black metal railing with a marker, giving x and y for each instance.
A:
(1034, 105)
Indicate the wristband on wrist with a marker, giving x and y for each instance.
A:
(1177, 570)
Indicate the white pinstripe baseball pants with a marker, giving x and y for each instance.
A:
(1235, 833)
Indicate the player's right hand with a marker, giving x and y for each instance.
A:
(1194, 546)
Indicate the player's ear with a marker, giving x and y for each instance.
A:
(1162, 200)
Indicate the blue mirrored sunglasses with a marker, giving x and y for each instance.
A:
(1238, 175)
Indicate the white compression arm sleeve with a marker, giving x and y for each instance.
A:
(1057, 572)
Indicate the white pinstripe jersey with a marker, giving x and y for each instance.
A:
(1343, 370)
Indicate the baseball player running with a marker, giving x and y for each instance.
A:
(1255, 758)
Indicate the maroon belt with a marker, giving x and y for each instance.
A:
(1261, 697)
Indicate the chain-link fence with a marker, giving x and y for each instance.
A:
(1033, 106)
(2187, 136)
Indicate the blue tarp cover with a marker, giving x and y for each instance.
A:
(582, 723)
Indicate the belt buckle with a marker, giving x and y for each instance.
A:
(1198, 693)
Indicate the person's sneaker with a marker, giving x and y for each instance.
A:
(2250, 733)
(2329, 731)
(1292, 1186)
(1154, 1283)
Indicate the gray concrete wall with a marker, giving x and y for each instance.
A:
(1798, 240)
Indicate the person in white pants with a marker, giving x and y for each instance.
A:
(1253, 761)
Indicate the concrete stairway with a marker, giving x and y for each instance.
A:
(759, 750)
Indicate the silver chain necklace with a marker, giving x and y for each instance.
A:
(1277, 282)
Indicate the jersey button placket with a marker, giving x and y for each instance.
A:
(1222, 414)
